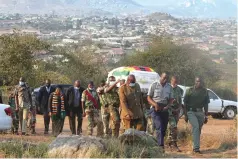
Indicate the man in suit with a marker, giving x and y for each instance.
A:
(73, 96)
(43, 98)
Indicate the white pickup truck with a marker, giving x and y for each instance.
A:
(217, 107)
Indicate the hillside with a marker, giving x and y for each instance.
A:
(160, 16)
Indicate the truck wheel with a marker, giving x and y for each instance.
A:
(229, 113)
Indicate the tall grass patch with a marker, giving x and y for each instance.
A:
(18, 149)
(116, 149)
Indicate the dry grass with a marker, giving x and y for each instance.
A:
(17, 149)
(117, 150)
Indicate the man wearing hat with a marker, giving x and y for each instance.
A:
(23, 103)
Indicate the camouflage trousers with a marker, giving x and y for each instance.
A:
(150, 126)
(173, 131)
(105, 120)
(111, 119)
(94, 120)
(31, 122)
(149, 122)
(15, 121)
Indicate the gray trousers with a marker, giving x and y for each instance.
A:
(196, 119)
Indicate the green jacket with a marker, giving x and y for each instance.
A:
(197, 98)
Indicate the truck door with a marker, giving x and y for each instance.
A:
(215, 104)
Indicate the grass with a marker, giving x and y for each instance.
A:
(18, 149)
(115, 149)
(185, 134)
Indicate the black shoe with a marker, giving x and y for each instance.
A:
(162, 149)
(197, 151)
(46, 132)
(25, 134)
(33, 132)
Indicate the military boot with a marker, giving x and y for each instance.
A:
(33, 131)
(173, 145)
(176, 147)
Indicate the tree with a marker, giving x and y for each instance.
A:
(183, 61)
(82, 64)
(127, 44)
(16, 56)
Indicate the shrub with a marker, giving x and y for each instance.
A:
(185, 134)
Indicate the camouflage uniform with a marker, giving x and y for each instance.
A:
(32, 117)
(104, 111)
(148, 119)
(173, 116)
(92, 114)
(14, 115)
(113, 101)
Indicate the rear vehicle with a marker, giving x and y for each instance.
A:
(35, 95)
(217, 107)
(5, 117)
(145, 76)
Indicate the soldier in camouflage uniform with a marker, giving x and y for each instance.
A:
(90, 107)
(173, 110)
(148, 119)
(32, 116)
(104, 108)
(113, 103)
(14, 115)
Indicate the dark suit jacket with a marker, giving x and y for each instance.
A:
(70, 99)
(43, 96)
(1, 99)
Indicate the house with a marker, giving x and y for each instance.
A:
(116, 52)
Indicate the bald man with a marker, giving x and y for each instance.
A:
(159, 95)
(131, 103)
(196, 102)
(74, 109)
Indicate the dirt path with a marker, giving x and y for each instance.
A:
(212, 134)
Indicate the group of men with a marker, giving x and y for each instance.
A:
(117, 105)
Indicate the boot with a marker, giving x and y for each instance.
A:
(33, 131)
(176, 147)
(170, 144)
(16, 132)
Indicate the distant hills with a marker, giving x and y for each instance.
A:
(160, 16)
(179, 8)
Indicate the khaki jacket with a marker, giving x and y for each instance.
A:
(131, 101)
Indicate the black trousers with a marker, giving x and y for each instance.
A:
(72, 123)
(46, 119)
